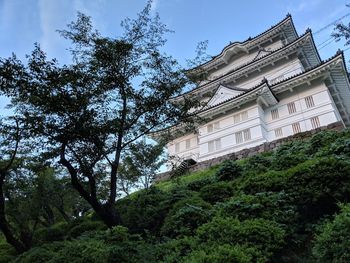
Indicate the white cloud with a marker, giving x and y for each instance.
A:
(56, 15)
(154, 5)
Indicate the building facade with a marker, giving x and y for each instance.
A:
(265, 88)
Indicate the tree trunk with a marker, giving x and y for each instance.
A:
(5, 227)
(106, 212)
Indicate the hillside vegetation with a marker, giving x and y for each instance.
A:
(289, 205)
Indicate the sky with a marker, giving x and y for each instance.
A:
(24, 22)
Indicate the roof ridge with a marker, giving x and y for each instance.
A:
(246, 64)
(339, 53)
(288, 17)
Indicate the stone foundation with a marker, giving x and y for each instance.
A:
(265, 147)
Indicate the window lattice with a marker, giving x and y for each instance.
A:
(309, 101)
(315, 122)
(274, 114)
(296, 127)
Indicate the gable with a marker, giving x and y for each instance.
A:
(223, 93)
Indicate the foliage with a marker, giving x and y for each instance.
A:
(265, 236)
(229, 171)
(90, 114)
(333, 243)
(185, 217)
(145, 211)
(221, 253)
(275, 206)
(216, 192)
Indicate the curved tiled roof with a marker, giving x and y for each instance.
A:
(339, 53)
(265, 82)
(308, 31)
(238, 43)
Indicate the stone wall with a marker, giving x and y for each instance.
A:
(265, 147)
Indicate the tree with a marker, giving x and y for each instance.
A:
(10, 137)
(341, 31)
(140, 164)
(90, 112)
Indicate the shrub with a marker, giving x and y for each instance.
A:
(55, 232)
(221, 253)
(185, 217)
(320, 140)
(43, 254)
(257, 164)
(229, 171)
(288, 155)
(271, 181)
(264, 236)
(274, 206)
(198, 184)
(216, 192)
(341, 147)
(333, 243)
(85, 226)
(145, 211)
(82, 251)
(7, 252)
(318, 185)
(174, 250)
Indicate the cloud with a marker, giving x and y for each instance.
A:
(56, 15)
(154, 5)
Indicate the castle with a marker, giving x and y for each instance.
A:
(265, 88)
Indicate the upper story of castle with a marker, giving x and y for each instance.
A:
(276, 54)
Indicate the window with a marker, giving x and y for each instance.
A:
(240, 117)
(244, 115)
(239, 137)
(214, 145)
(291, 108)
(309, 101)
(246, 135)
(211, 146)
(216, 125)
(274, 114)
(315, 122)
(236, 118)
(278, 132)
(296, 127)
(213, 126)
(243, 136)
(177, 147)
(188, 143)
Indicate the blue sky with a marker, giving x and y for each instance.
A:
(23, 22)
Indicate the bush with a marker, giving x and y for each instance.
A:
(145, 211)
(198, 184)
(341, 147)
(274, 206)
(174, 250)
(318, 185)
(271, 181)
(43, 254)
(221, 253)
(229, 171)
(185, 217)
(264, 236)
(289, 155)
(319, 141)
(86, 226)
(257, 164)
(216, 192)
(7, 252)
(55, 232)
(333, 243)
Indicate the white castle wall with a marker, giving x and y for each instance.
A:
(260, 124)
